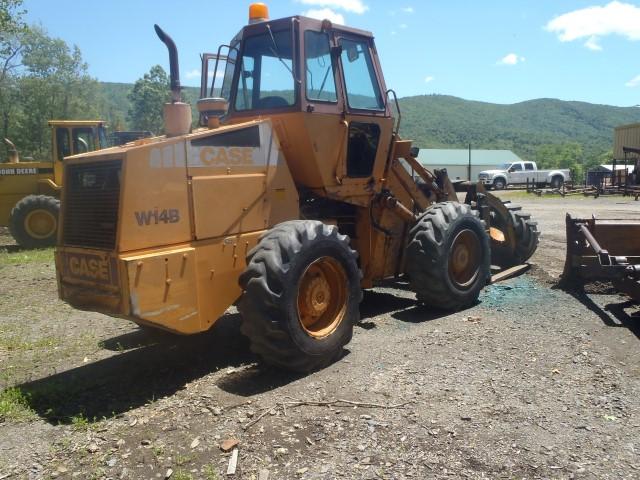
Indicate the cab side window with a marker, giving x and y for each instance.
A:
(528, 166)
(516, 167)
(363, 91)
(320, 80)
(62, 143)
(83, 140)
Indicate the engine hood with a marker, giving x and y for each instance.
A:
(491, 172)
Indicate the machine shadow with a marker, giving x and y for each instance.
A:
(613, 314)
(375, 303)
(156, 368)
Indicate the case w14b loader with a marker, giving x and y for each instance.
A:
(296, 194)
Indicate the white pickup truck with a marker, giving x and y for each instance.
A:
(517, 173)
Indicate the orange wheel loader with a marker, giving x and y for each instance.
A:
(294, 195)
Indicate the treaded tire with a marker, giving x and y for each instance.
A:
(20, 213)
(556, 182)
(499, 184)
(527, 237)
(270, 284)
(429, 249)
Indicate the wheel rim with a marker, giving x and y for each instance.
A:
(322, 297)
(464, 258)
(40, 224)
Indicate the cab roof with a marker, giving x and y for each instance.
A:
(305, 22)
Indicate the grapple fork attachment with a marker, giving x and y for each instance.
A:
(603, 250)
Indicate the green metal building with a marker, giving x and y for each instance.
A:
(456, 161)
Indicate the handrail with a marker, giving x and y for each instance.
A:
(395, 99)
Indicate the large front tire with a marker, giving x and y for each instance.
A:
(526, 241)
(448, 256)
(34, 221)
(301, 295)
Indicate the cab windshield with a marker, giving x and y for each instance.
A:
(266, 79)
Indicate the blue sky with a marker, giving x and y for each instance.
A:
(495, 51)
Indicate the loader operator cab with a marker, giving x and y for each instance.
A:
(75, 137)
(296, 64)
(300, 70)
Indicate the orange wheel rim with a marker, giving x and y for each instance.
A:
(40, 224)
(464, 258)
(322, 297)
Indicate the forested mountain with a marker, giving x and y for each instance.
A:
(528, 128)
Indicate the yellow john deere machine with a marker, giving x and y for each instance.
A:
(30, 191)
(295, 195)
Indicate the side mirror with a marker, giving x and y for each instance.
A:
(352, 54)
(511, 169)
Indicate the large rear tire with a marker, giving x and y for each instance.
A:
(448, 256)
(34, 221)
(527, 237)
(301, 295)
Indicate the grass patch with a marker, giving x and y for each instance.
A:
(14, 405)
(41, 255)
(12, 342)
(210, 473)
(80, 422)
(182, 475)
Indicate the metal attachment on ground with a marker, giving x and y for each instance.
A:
(603, 250)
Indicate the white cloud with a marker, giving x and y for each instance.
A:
(403, 26)
(614, 18)
(592, 44)
(354, 6)
(511, 59)
(429, 79)
(326, 13)
(634, 82)
(407, 9)
(196, 73)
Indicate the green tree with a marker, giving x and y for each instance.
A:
(562, 155)
(12, 29)
(54, 84)
(147, 99)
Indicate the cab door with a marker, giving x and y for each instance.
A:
(516, 173)
(369, 124)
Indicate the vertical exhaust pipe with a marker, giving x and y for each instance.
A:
(13, 151)
(174, 71)
(177, 115)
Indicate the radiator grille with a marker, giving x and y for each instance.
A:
(91, 202)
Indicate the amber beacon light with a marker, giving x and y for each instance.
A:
(258, 12)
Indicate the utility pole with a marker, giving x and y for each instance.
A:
(469, 166)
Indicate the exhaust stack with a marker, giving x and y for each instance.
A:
(177, 114)
(13, 151)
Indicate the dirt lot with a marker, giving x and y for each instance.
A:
(530, 383)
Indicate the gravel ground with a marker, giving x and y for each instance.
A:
(531, 383)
